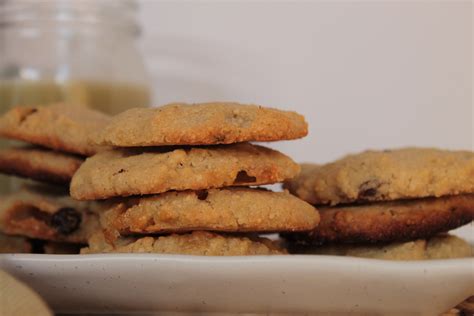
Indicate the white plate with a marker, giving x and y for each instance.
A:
(262, 284)
(283, 284)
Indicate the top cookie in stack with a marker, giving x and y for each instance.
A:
(182, 163)
(201, 124)
(57, 139)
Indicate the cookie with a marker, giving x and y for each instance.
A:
(39, 164)
(196, 243)
(14, 244)
(447, 246)
(438, 247)
(386, 175)
(200, 124)
(390, 221)
(138, 171)
(62, 127)
(224, 210)
(47, 214)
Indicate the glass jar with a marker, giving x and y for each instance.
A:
(81, 52)
(77, 51)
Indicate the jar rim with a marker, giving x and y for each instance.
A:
(116, 13)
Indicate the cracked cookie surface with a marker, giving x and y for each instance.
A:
(139, 171)
(61, 127)
(200, 124)
(389, 221)
(386, 175)
(195, 243)
(225, 210)
(39, 164)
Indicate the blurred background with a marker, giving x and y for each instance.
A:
(366, 74)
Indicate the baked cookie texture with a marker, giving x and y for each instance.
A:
(59, 127)
(14, 244)
(195, 243)
(39, 164)
(225, 210)
(438, 247)
(44, 213)
(389, 221)
(200, 124)
(138, 171)
(386, 175)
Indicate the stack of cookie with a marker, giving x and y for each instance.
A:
(390, 204)
(57, 138)
(178, 179)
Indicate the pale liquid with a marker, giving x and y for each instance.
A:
(108, 97)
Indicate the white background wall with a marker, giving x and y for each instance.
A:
(366, 74)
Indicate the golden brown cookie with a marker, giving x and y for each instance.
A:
(138, 171)
(224, 210)
(196, 243)
(47, 214)
(390, 221)
(39, 164)
(200, 124)
(438, 247)
(61, 127)
(14, 244)
(386, 175)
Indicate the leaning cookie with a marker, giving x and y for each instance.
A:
(39, 164)
(389, 221)
(200, 124)
(139, 171)
(386, 175)
(60, 127)
(47, 214)
(438, 247)
(195, 243)
(225, 210)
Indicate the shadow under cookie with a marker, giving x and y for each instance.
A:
(442, 246)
